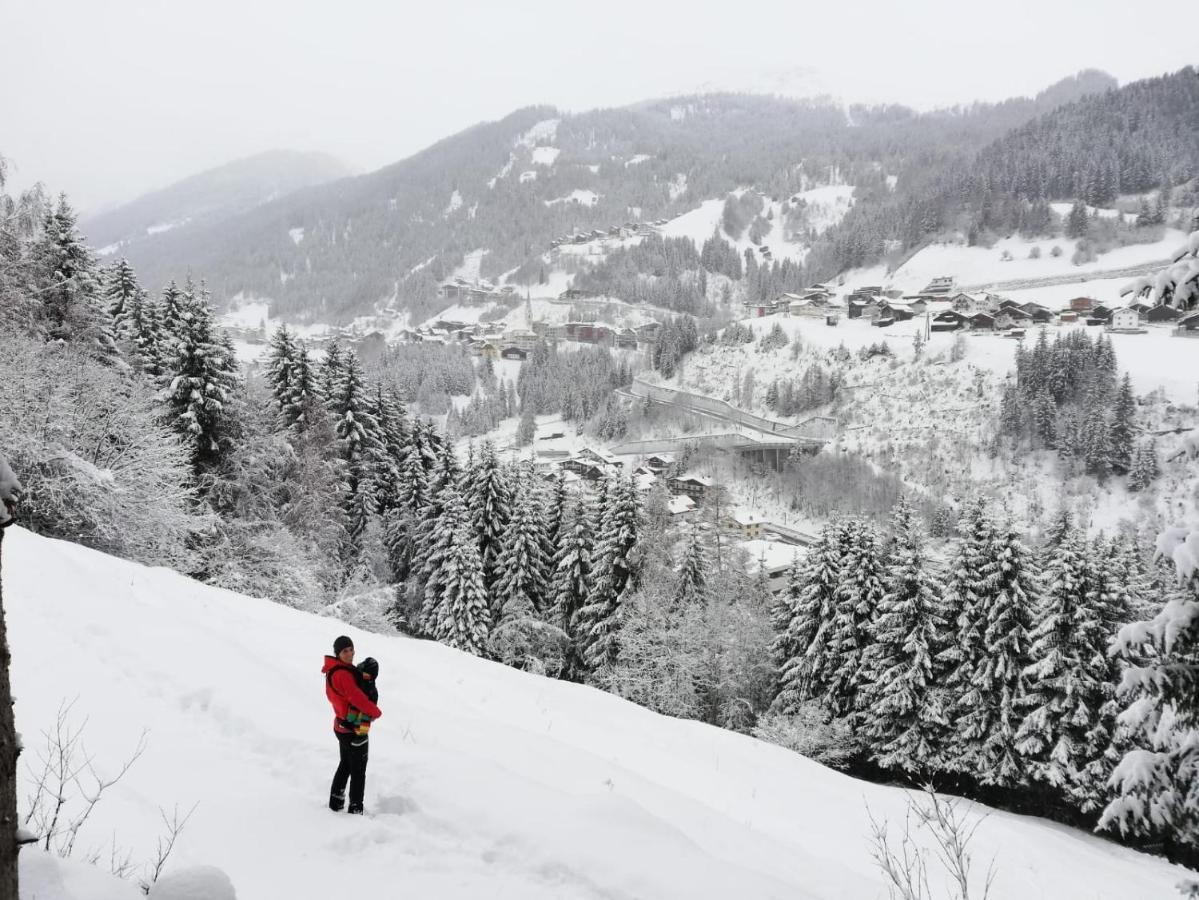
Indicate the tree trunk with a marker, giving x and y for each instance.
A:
(8, 762)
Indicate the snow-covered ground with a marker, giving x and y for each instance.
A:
(483, 782)
(585, 197)
(982, 266)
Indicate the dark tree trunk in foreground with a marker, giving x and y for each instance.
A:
(8, 759)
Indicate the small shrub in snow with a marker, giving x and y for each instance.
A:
(810, 732)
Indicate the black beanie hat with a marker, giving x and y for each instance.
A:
(340, 644)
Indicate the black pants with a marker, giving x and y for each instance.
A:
(352, 767)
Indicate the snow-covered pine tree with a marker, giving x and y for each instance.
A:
(1123, 428)
(1157, 782)
(391, 448)
(357, 439)
(280, 363)
(1145, 467)
(331, 374)
(488, 495)
(802, 648)
(570, 582)
(691, 585)
(614, 574)
(1068, 673)
(69, 286)
(201, 384)
(855, 605)
(902, 716)
(989, 681)
(523, 567)
(120, 289)
(171, 315)
(461, 616)
(143, 334)
(555, 514)
(1097, 451)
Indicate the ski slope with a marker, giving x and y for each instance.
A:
(484, 782)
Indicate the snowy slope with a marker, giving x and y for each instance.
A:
(484, 781)
(982, 266)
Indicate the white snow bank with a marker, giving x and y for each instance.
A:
(296, 235)
(199, 883)
(545, 156)
(484, 781)
(585, 197)
(44, 876)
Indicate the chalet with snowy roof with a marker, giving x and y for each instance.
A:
(950, 320)
(694, 486)
(760, 308)
(1082, 304)
(884, 319)
(982, 321)
(870, 290)
(1099, 315)
(1038, 314)
(643, 482)
(969, 303)
(744, 525)
(514, 353)
(1162, 313)
(1188, 325)
(900, 310)
(520, 338)
(681, 507)
(658, 462)
(862, 308)
(1126, 320)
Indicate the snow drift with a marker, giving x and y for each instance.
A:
(484, 781)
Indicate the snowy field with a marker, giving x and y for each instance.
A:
(982, 266)
(484, 781)
(1156, 360)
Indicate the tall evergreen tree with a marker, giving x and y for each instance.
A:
(806, 662)
(522, 566)
(691, 585)
(460, 616)
(120, 290)
(1067, 674)
(1123, 430)
(994, 596)
(70, 290)
(488, 496)
(903, 715)
(357, 438)
(855, 604)
(201, 385)
(570, 582)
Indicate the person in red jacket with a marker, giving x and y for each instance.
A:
(349, 703)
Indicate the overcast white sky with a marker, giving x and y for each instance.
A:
(109, 98)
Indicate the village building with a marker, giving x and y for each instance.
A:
(982, 322)
(1099, 315)
(940, 287)
(1127, 320)
(949, 320)
(1082, 304)
(1188, 325)
(694, 486)
(744, 525)
(1040, 315)
(681, 507)
(1162, 313)
(514, 353)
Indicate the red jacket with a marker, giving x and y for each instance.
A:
(343, 692)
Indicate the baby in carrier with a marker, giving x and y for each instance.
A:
(367, 673)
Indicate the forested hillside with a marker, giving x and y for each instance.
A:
(510, 187)
(1143, 137)
(216, 194)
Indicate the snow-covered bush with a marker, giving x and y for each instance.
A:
(810, 732)
(98, 465)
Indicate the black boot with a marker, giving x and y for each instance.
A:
(337, 801)
(355, 808)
